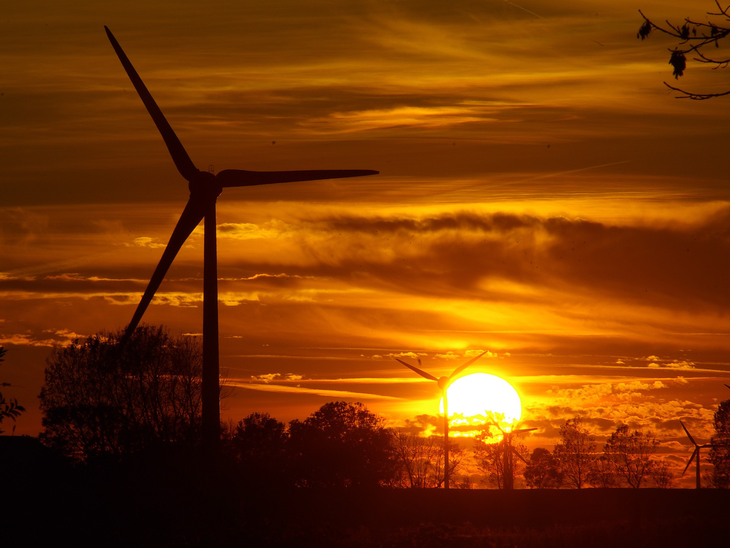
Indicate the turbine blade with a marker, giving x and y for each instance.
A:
(239, 177)
(690, 460)
(191, 216)
(523, 430)
(419, 371)
(519, 456)
(467, 364)
(183, 162)
(688, 434)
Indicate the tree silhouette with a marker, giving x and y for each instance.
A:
(720, 452)
(661, 475)
(575, 452)
(9, 409)
(497, 460)
(105, 399)
(542, 471)
(259, 446)
(341, 445)
(420, 460)
(695, 37)
(630, 454)
(603, 473)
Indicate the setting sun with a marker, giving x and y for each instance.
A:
(475, 398)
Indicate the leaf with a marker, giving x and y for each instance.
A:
(645, 30)
(679, 62)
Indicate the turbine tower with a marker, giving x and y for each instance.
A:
(204, 191)
(443, 384)
(695, 454)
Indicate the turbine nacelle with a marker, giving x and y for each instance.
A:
(204, 185)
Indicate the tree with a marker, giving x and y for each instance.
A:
(603, 473)
(101, 398)
(720, 452)
(341, 445)
(695, 38)
(630, 454)
(9, 409)
(421, 459)
(575, 453)
(497, 460)
(542, 470)
(258, 444)
(661, 475)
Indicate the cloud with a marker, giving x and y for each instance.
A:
(145, 241)
(269, 377)
(50, 338)
(412, 355)
(674, 364)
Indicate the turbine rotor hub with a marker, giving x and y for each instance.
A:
(205, 185)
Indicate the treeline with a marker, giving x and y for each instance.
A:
(104, 403)
(627, 459)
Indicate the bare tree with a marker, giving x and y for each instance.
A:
(661, 475)
(9, 409)
(420, 459)
(695, 37)
(501, 461)
(630, 454)
(720, 452)
(102, 398)
(575, 453)
(603, 473)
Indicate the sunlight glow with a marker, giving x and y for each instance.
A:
(480, 398)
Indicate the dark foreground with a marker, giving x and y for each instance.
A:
(45, 503)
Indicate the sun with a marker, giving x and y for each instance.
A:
(480, 398)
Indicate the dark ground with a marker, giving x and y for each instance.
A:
(44, 502)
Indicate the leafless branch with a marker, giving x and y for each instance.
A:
(696, 96)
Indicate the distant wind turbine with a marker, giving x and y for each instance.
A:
(695, 454)
(508, 452)
(443, 384)
(204, 191)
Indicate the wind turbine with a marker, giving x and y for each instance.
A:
(204, 191)
(443, 384)
(508, 451)
(695, 452)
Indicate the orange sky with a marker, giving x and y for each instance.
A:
(541, 196)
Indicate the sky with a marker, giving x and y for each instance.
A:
(541, 196)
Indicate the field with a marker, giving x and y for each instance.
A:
(45, 503)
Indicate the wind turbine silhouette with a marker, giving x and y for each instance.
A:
(204, 191)
(443, 384)
(695, 452)
(508, 451)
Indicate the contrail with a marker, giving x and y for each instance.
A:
(523, 9)
(535, 178)
(548, 175)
